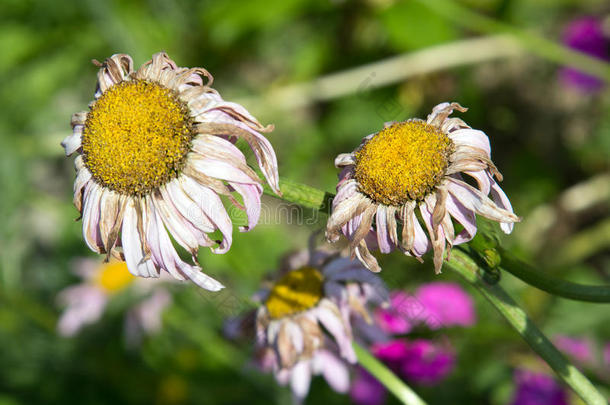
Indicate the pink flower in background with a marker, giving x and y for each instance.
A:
(436, 305)
(585, 35)
(445, 304)
(366, 390)
(607, 355)
(85, 303)
(576, 348)
(537, 389)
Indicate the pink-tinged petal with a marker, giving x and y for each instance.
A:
(263, 151)
(346, 190)
(72, 142)
(437, 236)
(483, 181)
(188, 208)
(500, 198)
(91, 217)
(300, 379)
(137, 262)
(421, 243)
(181, 229)
(463, 216)
(83, 176)
(220, 169)
(471, 137)
(212, 207)
(334, 370)
(383, 237)
(474, 200)
(85, 305)
(251, 194)
(330, 317)
(209, 144)
(171, 262)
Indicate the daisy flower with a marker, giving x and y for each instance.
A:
(85, 303)
(156, 152)
(415, 167)
(304, 326)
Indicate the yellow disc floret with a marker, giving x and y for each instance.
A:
(403, 162)
(114, 276)
(136, 137)
(295, 292)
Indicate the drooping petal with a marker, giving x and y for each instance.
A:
(383, 234)
(471, 137)
(91, 217)
(474, 200)
(335, 372)
(251, 194)
(300, 379)
(132, 241)
(211, 205)
(171, 262)
(500, 198)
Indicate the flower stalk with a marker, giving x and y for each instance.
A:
(385, 376)
(465, 266)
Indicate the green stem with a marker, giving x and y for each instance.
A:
(385, 376)
(562, 288)
(462, 264)
(453, 11)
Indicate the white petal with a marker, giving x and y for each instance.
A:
(471, 137)
(300, 379)
(131, 240)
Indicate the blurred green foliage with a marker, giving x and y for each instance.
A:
(545, 138)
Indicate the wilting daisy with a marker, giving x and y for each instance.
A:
(415, 167)
(85, 303)
(304, 325)
(156, 152)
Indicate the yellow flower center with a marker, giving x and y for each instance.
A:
(136, 137)
(295, 292)
(114, 276)
(403, 162)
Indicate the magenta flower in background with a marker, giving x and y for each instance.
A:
(444, 304)
(420, 361)
(537, 389)
(391, 353)
(585, 35)
(427, 363)
(366, 390)
(578, 349)
(396, 318)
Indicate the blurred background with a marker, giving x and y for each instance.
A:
(285, 61)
